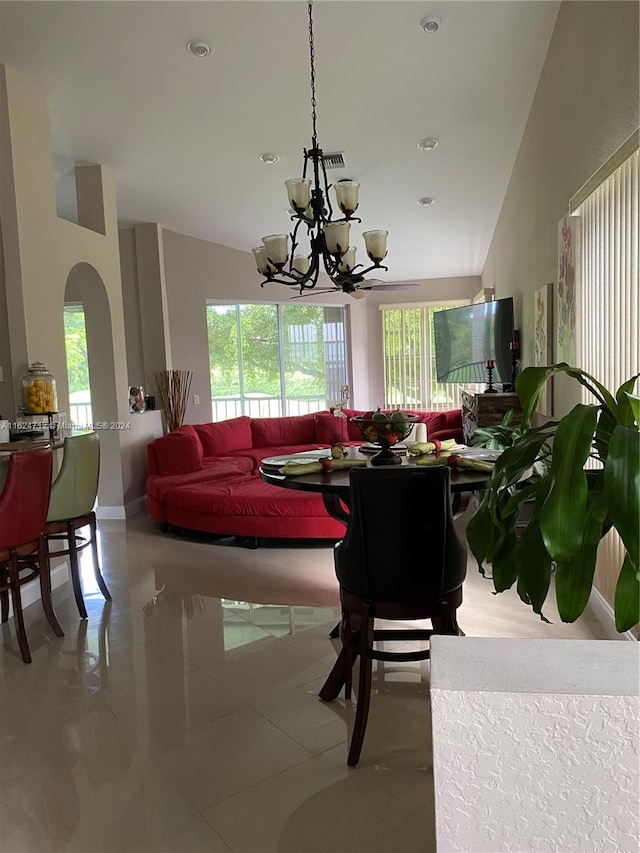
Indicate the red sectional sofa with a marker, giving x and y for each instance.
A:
(205, 476)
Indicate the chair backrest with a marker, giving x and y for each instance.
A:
(74, 490)
(25, 497)
(401, 544)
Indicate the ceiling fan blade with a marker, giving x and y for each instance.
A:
(315, 292)
(383, 286)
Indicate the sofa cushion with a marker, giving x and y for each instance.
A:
(159, 486)
(224, 436)
(178, 452)
(274, 432)
(257, 454)
(330, 429)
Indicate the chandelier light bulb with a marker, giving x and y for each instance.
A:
(348, 261)
(347, 196)
(301, 264)
(376, 244)
(299, 192)
(277, 246)
(262, 261)
(336, 235)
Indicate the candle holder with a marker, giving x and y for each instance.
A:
(490, 389)
(514, 364)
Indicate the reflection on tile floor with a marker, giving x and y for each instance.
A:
(184, 715)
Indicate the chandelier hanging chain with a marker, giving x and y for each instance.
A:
(312, 57)
(328, 237)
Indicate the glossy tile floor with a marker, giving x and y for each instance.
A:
(184, 715)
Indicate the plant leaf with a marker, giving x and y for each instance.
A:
(533, 564)
(504, 564)
(622, 488)
(634, 405)
(574, 577)
(480, 532)
(627, 597)
(529, 384)
(563, 515)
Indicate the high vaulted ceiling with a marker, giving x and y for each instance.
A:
(183, 136)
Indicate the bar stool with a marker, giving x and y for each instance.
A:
(23, 554)
(73, 496)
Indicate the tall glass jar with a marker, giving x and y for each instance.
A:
(39, 394)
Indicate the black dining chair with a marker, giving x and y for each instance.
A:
(401, 559)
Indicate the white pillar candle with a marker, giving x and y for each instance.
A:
(376, 243)
(277, 246)
(336, 235)
(347, 196)
(419, 433)
(299, 192)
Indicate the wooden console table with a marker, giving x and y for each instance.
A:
(482, 410)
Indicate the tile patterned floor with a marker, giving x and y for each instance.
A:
(184, 715)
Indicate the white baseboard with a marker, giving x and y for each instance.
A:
(136, 506)
(120, 513)
(603, 612)
(110, 513)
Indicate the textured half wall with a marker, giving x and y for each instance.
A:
(535, 745)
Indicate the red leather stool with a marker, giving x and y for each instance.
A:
(23, 554)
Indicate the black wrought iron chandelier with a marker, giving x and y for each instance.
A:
(311, 210)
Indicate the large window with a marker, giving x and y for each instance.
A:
(273, 360)
(409, 360)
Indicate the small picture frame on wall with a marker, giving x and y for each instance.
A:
(543, 343)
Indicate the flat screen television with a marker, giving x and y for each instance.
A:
(467, 337)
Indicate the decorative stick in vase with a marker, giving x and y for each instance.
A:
(174, 387)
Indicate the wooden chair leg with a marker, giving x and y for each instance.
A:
(18, 616)
(335, 679)
(4, 594)
(75, 572)
(45, 587)
(364, 691)
(96, 564)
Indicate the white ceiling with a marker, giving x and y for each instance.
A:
(182, 136)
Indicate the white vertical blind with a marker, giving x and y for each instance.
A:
(409, 360)
(609, 309)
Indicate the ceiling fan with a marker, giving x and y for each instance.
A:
(358, 289)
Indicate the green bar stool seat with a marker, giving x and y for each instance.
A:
(73, 496)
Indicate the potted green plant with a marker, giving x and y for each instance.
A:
(571, 506)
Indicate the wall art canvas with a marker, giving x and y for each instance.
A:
(543, 347)
(568, 231)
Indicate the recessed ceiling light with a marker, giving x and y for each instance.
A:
(269, 158)
(428, 143)
(199, 48)
(430, 23)
(427, 201)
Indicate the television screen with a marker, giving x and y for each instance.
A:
(467, 337)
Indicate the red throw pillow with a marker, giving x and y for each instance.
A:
(330, 429)
(178, 452)
(222, 437)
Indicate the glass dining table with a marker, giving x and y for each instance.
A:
(333, 485)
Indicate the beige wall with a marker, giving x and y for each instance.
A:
(42, 253)
(585, 106)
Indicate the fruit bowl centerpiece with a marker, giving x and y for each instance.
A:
(385, 429)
